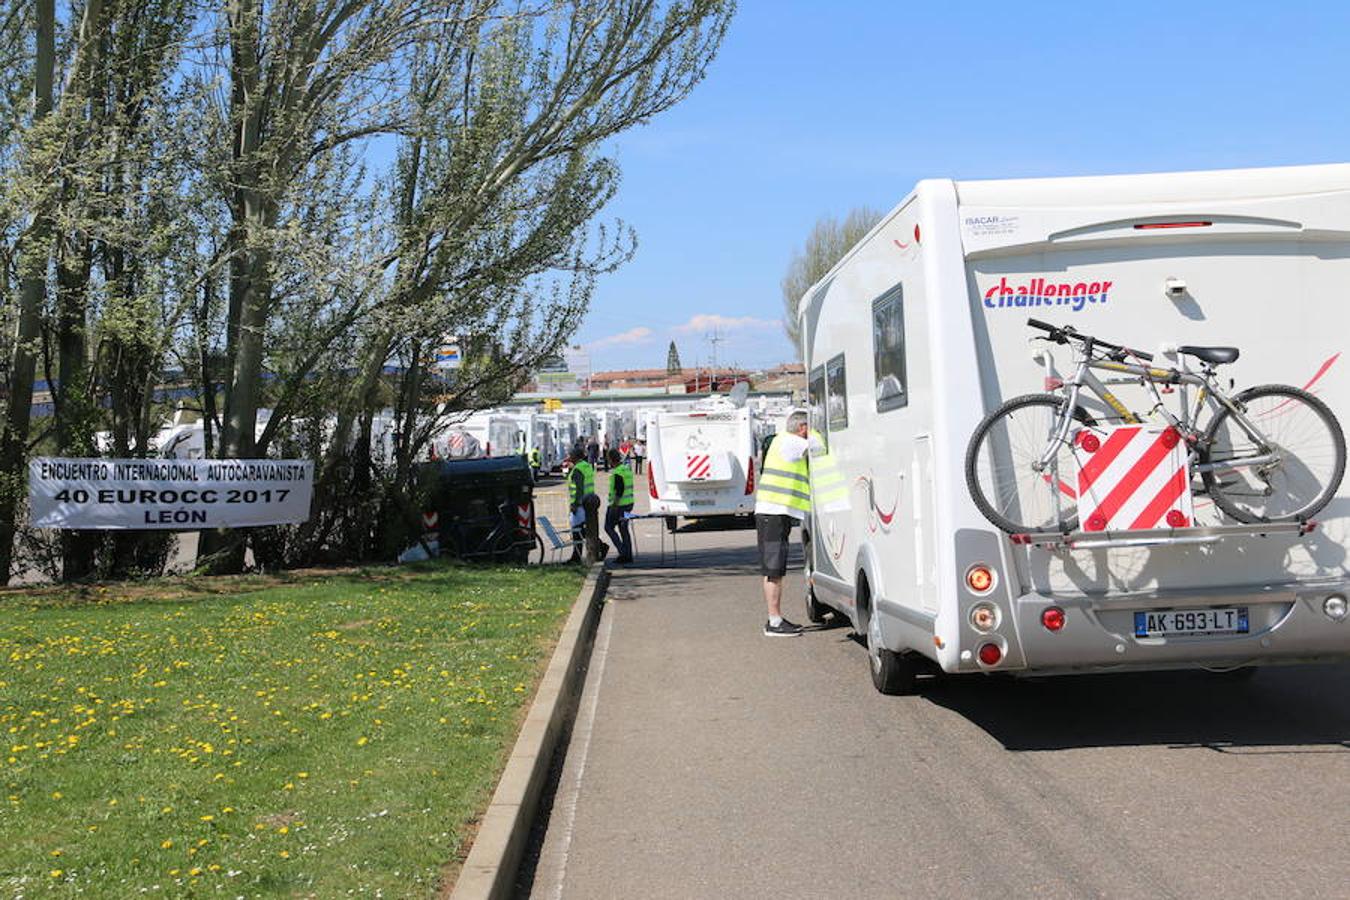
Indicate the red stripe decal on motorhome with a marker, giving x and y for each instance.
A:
(1064, 488)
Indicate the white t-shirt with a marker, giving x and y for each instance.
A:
(791, 448)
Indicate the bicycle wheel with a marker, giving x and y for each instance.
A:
(999, 473)
(1304, 436)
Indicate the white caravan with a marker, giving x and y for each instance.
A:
(701, 460)
(922, 329)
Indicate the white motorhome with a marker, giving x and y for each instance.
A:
(921, 330)
(482, 434)
(701, 460)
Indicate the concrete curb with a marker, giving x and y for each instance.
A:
(489, 872)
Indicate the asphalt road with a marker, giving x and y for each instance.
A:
(710, 761)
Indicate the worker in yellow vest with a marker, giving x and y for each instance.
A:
(584, 504)
(782, 499)
(620, 505)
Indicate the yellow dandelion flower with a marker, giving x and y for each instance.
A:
(56, 873)
(55, 853)
(362, 741)
(285, 854)
(208, 818)
(56, 795)
(283, 830)
(165, 845)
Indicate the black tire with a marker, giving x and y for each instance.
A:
(815, 610)
(893, 674)
(1236, 494)
(1003, 414)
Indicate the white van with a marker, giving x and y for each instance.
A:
(701, 461)
(922, 329)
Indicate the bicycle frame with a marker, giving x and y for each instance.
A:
(1084, 378)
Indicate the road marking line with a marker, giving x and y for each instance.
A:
(582, 728)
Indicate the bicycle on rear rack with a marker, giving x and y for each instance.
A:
(1272, 453)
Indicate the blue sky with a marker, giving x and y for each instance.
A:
(813, 108)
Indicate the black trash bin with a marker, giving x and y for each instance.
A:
(481, 510)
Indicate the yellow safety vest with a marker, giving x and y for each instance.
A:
(588, 477)
(621, 471)
(827, 482)
(783, 481)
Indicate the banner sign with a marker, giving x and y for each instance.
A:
(176, 494)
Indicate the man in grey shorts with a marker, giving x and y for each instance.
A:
(782, 497)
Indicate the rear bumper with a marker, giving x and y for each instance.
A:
(1287, 624)
(679, 506)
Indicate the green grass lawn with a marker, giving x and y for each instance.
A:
(330, 735)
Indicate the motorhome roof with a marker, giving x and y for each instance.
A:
(1105, 190)
(1165, 187)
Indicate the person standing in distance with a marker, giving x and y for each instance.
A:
(782, 497)
(620, 505)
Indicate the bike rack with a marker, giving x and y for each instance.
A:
(1148, 537)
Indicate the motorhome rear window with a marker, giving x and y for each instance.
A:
(888, 349)
(815, 393)
(836, 393)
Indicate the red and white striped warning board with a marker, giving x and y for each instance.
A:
(523, 515)
(430, 521)
(697, 466)
(1132, 477)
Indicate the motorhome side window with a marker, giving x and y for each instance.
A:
(836, 393)
(888, 349)
(815, 395)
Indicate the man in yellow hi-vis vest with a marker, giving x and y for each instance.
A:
(782, 497)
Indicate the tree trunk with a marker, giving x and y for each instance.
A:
(34, 257)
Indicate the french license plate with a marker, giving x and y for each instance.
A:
(708, 502)
(1184, 622)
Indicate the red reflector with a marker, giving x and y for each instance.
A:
(990, 654)
(1170, 438)
(750, 479)
(1089, 442)
(651, 483)
(1052, 618)
(1096, 522)
(1147, 226)
(1052, 383)
(1177, 519)
(916, 233)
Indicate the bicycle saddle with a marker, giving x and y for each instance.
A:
(1214, 355)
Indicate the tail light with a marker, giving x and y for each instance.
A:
(651, 483)
(980, 578)
(990, 654)
(750, 478)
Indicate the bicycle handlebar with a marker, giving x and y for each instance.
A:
(1069, 333)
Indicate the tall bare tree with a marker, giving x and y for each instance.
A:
(826, 244)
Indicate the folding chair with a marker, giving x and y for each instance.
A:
(555, 543)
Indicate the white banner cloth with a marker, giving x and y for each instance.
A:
(177, 494)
